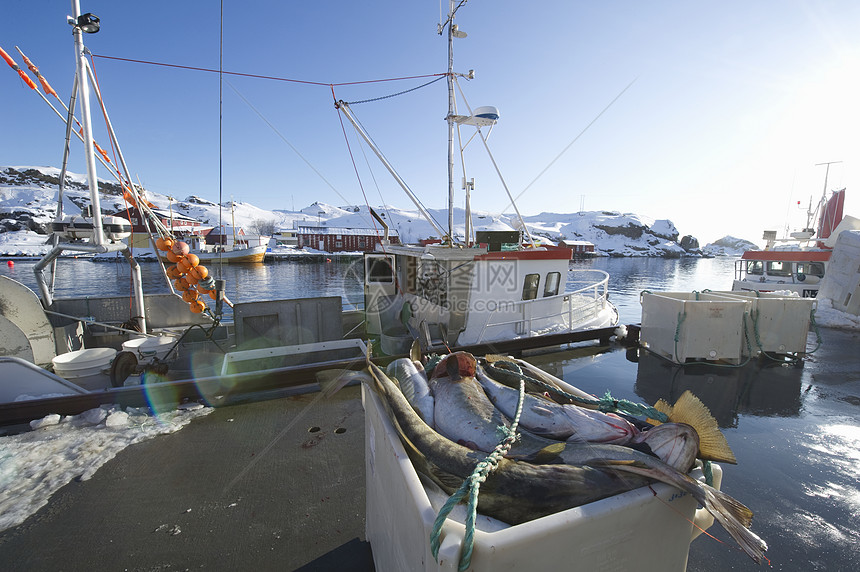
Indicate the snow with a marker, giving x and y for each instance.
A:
(827, 316)
(613, 233)
(35, 464)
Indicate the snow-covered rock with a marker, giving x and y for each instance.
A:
(28, 198)
(729, 246)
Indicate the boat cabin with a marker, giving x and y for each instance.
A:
(797, 271)
(496, 290)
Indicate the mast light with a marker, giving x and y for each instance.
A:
(88, 23)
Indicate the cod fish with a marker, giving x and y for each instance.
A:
(555, 420)
(413, 384)
(516, 492)
(465, 414)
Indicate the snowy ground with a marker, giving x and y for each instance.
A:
(36, 464)
(828, 317)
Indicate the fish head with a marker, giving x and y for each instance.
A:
(676, 444)
(457, 366)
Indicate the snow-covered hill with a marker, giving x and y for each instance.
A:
(729, 246)
(28, 198)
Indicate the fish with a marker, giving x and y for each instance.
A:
(547, 418)
(518, 491)
(676, 444)
(413, 383)
(465, 414)
(515, 492)
(690, 410)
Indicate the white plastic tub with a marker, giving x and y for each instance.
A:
(782, 322)
(87, 368)
(632, 531)
(83, 363)
(146, 349)
(707, 326)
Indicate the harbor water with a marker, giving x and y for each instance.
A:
(793, 427)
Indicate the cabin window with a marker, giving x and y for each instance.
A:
(338, 244)
(755, 267)
(380, 270)
(530, 286)
(553, 279)
(775, 268)
(811, 269)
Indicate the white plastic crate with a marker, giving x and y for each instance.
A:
(708, 326)
(782, 321)
(635, 530)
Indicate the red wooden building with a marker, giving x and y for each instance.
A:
(338, 239)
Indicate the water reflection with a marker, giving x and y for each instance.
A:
(761, 387)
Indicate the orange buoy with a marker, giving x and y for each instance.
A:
(181, 284)
(190, 295)
(183, 264)
(180, 248)
(193, 259)
(197, 306)
(171, 256)
(199, 272)
(213, 294)
(164, 243)
(173, 272)
(191, 279)
(129, 198)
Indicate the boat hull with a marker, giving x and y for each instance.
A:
(253, 254)
(801, 289)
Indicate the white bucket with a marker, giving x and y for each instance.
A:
(145, 349)
(83, 363)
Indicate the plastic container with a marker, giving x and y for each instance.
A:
(146, 349)
(86, 368)
(635, 530)
(776, 323)
(707, 326)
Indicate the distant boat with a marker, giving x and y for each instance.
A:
(798, 263)
(245, 249)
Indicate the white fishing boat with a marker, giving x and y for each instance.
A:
(242, 249)
(796, 263)
(478, 287)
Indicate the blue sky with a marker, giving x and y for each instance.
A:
(732, 105)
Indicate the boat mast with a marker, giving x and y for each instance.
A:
(89, 150)
(450, 119)
(810, 215)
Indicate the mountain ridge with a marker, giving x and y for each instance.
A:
(28, 196)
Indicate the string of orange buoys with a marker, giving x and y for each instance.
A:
(189, 276)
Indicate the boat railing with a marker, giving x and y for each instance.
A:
(562, 312)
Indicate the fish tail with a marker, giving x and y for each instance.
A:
(732, 515)
(735, 518)
(737, 509)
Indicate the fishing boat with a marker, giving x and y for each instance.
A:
(481, 286)
(237, 249)
(796, 263)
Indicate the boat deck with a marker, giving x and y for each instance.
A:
(254, 485)
(266, 485)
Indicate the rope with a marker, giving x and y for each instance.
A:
(818, 339)
(708, 471)
(472, 486)
(605, 404)
(432, 81)
(681, 317)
